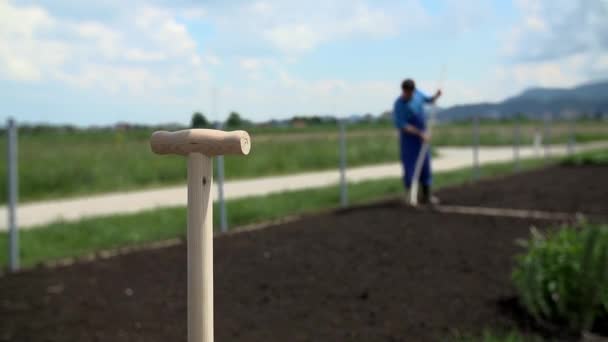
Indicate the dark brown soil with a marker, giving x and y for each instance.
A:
(381, 273)
(567, 189)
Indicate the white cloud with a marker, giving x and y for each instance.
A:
(135, 79)
(24, 20)
(294, 27)
(558, 28)
(310, 30)
(148, 50)
(535, 24)
(193, 13)
(557, 43)
(162, 28)
(172, 51)
(601, 64)
(292, 94)
(462, 16)
(250, 64)
(257, 68)
(293, 38)
(143, 50)
(23, 57)
(106, 41)
(262, 8)
(20, 70)
(562, 72)
(139, 55)
(212, 59)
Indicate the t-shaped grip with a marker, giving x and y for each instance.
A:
(209, 142)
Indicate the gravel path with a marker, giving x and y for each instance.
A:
(32, 214)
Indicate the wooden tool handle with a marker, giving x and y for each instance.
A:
(209, 142)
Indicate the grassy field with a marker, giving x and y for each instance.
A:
(494, 133)
(53, 165)
(72, 239)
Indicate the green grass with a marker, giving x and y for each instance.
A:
(588, 158)
(58, 164)
(320, 128)
(76, 163)
(493, 133)
(63, 239)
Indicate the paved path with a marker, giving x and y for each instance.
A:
(32, 214)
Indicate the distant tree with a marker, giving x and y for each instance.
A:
(235, 120)
(386, 116)
(368, 117)
(199, 120)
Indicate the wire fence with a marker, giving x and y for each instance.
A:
(345, 147)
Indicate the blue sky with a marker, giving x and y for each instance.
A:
(155, 61)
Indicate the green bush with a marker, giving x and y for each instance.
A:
(563, 276)
(588, 158)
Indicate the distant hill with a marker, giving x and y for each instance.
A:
(588, 99)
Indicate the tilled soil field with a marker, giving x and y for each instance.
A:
(567, 189)
(376, 273)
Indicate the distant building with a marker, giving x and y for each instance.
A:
(298, 123)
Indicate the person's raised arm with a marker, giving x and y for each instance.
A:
(432, 99)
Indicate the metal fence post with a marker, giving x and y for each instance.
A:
(13, 188)
(547, 135)
(475, 147)
(516, 142)
(538, 140)
(343, 183)
(572, 135)
(220, 190)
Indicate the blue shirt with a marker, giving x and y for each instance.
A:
(411, 112)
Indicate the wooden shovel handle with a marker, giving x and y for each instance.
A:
(209, 142)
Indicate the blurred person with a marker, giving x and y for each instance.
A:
(411, 121)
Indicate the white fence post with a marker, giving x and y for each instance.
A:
(13, 188)
(343, 183)
(476, 147)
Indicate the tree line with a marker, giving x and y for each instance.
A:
(199, 120)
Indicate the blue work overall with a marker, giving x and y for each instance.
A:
(412, 113)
